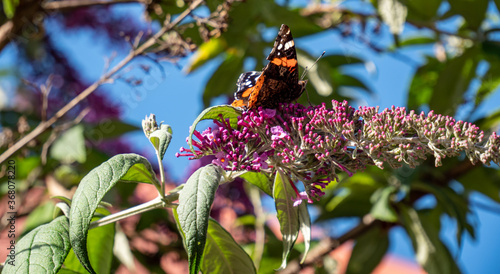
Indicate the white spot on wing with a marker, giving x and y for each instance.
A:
(280, 46)
(289, 44)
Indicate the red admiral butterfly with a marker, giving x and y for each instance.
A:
(279, 80)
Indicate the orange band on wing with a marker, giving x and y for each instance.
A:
(238, 103)
(250, 95)
(284, 62)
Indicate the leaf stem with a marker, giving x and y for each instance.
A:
(157, 202)
(162, 173)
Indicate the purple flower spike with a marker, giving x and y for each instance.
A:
(312, 144)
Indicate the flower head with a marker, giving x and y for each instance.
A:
(312, 144)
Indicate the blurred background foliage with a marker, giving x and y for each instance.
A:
(459, 74)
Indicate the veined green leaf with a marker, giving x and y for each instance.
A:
(222, 254)
(260, 180)
(211, 113)
(161, 139)
(288, 215)
(100, 241)
(305, 228)
(93, 187)
(42, 250)
(193, 212)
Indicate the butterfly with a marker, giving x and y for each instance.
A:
(277, 83)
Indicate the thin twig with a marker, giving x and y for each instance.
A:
(327, 245)
(62, 5)
(105, 78)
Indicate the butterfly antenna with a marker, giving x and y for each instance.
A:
(308, 68)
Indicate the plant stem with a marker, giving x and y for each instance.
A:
(162, 174)
(157, 202)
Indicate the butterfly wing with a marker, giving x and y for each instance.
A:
(248, 85)
(279, 80)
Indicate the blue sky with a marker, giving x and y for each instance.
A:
(175, 98)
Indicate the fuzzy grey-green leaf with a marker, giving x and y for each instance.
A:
(161, 139)
(43, 250)
(92, 189)
(193, 211)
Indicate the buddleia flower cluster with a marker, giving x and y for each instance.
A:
(312, 144)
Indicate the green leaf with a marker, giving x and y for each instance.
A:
(455, 205)
(490, 82)
(42, 214)
(223, 81)
(161, 139)
(344, 80)
(335, 61)
(382, 208)
(206, 52)
(352, 199)
(483, 180)
(214, 113)
(497, 3)
(288, 215)
(419, 40)
(423, 83)
(368, 251)
(393, 13)
(474, 12)
(430, 251)
(100, 249)
(93, 187)
(9, 7)
(193, 211)
(305, 228)
(260, 180)
(453, 82)
(107, 129)
(422, 10)
(42, 250)
(222, 254)
(70, 146)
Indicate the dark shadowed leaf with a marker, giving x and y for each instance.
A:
(107, 129)
(423, 83)
(222, 254)
(453, 82)
(474, 12)
(425, 10)
(430, 252)
(368, 251)
(483, 180)
(223, 81)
